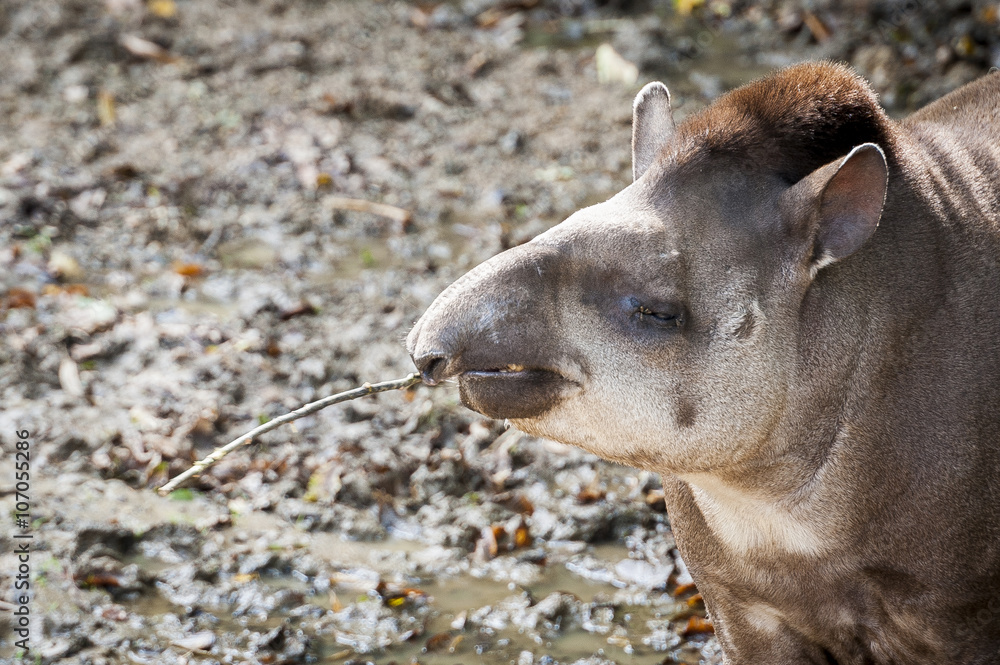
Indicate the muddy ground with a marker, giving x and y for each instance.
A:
(176, 266)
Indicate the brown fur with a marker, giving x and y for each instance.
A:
(790, 123)
(821, 396)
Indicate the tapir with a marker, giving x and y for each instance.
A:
(793, 315)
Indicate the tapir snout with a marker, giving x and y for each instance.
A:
(490, 329)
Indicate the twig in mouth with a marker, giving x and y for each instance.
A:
(367, 389)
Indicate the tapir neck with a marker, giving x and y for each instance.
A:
(875, 329)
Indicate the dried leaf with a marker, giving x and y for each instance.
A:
(68, 289)
(188, 269)
(114, 613)
(590, 494)
(299, 310)
(613, 68)
(487, 546)
(162, 8)
(105, 108)
(143, 48)
(696, 625)
(685, 7)
(438, 642)
(683, 589)
(18, 298)
(202, 641)
(69, 378)
(522, 538)
(657, 501)
(63, 266)
(100, 579)
(395, 597)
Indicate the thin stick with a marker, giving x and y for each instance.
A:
(360, 205)
(312, 407)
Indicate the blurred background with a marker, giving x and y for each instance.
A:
(214, 212)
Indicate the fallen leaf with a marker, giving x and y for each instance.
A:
(396, 597)
(162, 8)
(522, 538)
(656, 500)
(696, 625)
(188, 269)
(105, 108)
(487, 546)
(202, 641)
(683, 589)
(114, 613)
(18, 298)
(590, 494)
(613, 68)
(299, 310)
(438, 642)
(685, 7)
(143, 48)
(100, 579)
(63, 266)
(69, 378)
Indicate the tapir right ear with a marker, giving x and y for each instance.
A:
(838, 206)
(652, 126)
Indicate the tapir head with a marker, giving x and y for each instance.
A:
(659, 328)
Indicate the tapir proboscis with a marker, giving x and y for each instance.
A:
(793, 315)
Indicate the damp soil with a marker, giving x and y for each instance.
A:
(176, 266)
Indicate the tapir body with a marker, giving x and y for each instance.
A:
(792, 314)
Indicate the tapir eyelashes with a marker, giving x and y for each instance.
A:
(668, 317)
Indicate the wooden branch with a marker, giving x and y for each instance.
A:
(312, 407)
(360, 205)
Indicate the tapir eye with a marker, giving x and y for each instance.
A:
(667, 316)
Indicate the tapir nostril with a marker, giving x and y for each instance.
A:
(432, 367)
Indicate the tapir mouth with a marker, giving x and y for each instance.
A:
(514, 391)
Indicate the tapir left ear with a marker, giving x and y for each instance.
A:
(652, 126)
(843, 201)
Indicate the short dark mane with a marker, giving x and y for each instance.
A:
(791, 122)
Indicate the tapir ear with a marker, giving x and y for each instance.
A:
(652, 126)
(843, 201)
